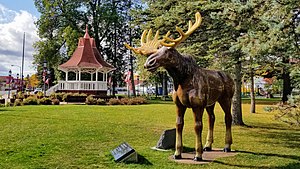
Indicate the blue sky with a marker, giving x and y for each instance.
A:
(17, 5)
(17, 17)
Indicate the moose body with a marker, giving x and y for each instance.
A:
(194, 87)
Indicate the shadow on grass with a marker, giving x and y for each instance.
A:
(278, 134)
(294, 165)
(141, 160)
(293, 157)
(4, 109)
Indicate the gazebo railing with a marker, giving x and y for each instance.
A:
(81, 85)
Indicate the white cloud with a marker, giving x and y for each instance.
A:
(13, 24)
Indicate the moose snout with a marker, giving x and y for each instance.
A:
(150, 63)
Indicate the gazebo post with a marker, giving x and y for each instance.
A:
(96, 75)
(76, 78)
(67, 76)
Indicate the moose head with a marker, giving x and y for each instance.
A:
(161, 52)
(194, 87)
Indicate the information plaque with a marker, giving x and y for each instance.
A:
(124, 152)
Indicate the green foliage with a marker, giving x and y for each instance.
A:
(18, 102)
(45, 101)
(101, 102)
(114, 101)
(90, 100)
(295, 74)
(55, 101)
(30, 101)
(58, 96)
(20, 95)
(290, 112)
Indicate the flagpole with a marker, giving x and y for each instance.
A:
(22, 78)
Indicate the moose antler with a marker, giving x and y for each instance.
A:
(183, 36)
(148, 46)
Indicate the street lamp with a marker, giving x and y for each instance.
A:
(9, 79)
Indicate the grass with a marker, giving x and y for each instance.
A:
(80, 136)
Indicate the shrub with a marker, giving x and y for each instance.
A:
(18, 102)
(55, 101)
(289, 113)
(90, 100)
(40, 95)
(58, 96)
(30, 101)
(45, 101)
(101, 102)
(125, 100)
(113, 101)
(79, 94)
(66, 96)
(141, 100)
(20, 95)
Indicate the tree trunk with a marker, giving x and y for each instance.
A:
(165, 84)
(131, 61)
(252, 92)
(237, 118)
(287, 89)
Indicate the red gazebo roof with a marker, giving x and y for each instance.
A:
(86, 55)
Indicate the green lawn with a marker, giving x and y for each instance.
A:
(80, 136)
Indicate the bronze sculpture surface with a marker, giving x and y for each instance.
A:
(194, 87)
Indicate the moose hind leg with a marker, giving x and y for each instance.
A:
(198, 113)
(226, 106)
(211, 122)
(180, 110)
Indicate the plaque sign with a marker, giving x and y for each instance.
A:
(124, 152)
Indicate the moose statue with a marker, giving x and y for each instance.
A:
(194, 87)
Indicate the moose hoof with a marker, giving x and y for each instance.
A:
(197, 159)
(177, 157)
(226, 150)
(207, 149)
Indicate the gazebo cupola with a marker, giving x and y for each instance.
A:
(86, 71)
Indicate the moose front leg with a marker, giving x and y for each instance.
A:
(180, 110)
(211, 122)
(198, 113)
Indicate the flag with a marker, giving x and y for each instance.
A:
(127, 79)
(47, 81)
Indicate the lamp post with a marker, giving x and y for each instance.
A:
(44, 75)
(9, 79)
(17, 83)
(49, 78)
(20, 83)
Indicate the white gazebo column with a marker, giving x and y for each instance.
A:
(76, 76)
(92, 76)
(67, 76)
(96, 75)
(79, 84)
(79, 78)
(105, 77)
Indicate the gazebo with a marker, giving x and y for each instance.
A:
(86, 71)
